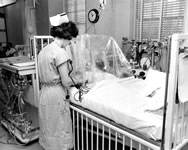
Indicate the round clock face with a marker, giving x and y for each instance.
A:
(93, 15)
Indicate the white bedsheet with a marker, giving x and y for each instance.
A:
(123, 101)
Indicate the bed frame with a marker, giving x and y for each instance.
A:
(95, 132)
(175, 136)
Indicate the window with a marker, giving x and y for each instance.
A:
(3, 34)
(76, 13)
(156, 19)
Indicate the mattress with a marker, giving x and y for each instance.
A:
(125, 101)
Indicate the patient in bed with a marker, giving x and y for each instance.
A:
(105, 71)
(93, 75)
(101, 69)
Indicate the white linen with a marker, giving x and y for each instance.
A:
(154, 80)
(183, 78)
(122, 101)
(155, 89)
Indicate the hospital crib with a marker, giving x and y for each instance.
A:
(94, 131)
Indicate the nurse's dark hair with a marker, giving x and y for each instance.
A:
(65, 31)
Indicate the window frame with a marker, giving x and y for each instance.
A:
(160, 34)
(77, 13)
(2, 16)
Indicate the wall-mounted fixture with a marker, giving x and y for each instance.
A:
(102, 4)
(4, 3)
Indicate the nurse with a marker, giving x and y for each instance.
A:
(54, 111)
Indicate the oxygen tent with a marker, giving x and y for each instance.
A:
(93, 54)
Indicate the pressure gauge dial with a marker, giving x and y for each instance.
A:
(145, 63)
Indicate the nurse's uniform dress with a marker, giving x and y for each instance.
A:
(54, 112)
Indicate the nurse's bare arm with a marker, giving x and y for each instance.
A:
(65, 79)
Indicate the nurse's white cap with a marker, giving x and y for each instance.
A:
(59, 19)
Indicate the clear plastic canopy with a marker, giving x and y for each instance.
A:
(98, 57)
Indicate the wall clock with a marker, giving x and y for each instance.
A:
(93, 15)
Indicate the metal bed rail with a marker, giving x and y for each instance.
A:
(180, 137)
(93, 133)
(176, 122)
(36, 44)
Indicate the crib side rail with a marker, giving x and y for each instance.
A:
(36, 43)
(176, 118)
(180, 134)
(93, 133)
